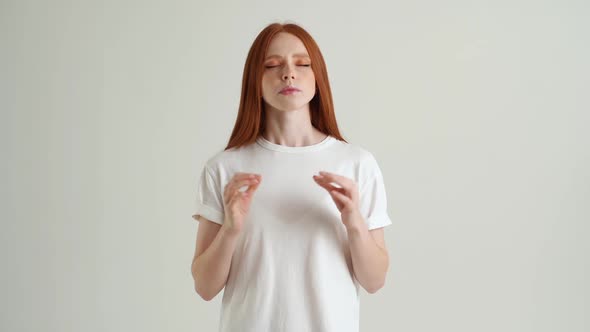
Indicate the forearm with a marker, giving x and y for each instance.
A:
(369, 261)
(210, 270)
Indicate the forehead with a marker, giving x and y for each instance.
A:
(285, 44)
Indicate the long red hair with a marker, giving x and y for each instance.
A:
(250, 121)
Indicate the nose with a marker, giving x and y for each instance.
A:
(288, 73)
(287, 76)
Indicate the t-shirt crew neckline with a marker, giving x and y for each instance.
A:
(294, 149)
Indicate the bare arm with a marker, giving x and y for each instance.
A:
(370, 259)
(212, 261)
(216, 243)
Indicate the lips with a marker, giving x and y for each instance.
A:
(289, 89)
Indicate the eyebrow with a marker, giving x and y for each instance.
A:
(298, 55)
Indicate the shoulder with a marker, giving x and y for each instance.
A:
(364, 159)
(355, 152)
(222, 160)
(365, 168)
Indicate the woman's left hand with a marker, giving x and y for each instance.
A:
(346, 197)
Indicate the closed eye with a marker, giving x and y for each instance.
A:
(307, 65)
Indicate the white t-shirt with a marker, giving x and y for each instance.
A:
(292, 269)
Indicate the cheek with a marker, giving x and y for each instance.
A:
(312, 81)
(265, 83)
(266, 88)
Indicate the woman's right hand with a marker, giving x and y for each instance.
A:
(237, 203)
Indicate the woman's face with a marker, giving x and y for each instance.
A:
(287, 63)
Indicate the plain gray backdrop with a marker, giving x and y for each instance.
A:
(477, 112)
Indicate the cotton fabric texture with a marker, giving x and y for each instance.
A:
(291, 270)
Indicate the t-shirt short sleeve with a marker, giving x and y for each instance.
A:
(372, 196)
(209, 200)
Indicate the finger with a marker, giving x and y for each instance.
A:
(248, 192)
(342, 198)
(234, 198)
(231, 187)
(239, 184)
(343, 181)
(252, 188)
(239, 175)
(326, 185)
(349, 184)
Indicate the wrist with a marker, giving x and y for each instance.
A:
(355, 222)
(357, 227)
(229, 230)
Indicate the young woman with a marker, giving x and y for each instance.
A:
(292, 248)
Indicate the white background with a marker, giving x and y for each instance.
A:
(477, 112)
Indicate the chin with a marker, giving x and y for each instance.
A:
(289, 106)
